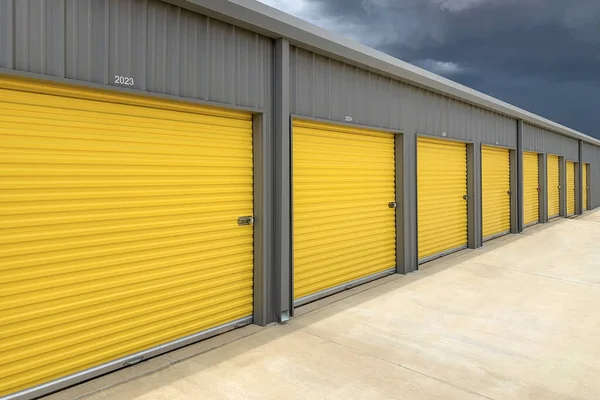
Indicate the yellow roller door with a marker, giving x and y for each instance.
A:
(442, 185)
(585, 185)
(553, 187)
(343, 182)
(495, 190)
(119, 226)
(570, 188)
(531, 201)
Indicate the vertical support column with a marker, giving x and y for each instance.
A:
(520, 216)
(562, 166)
(475, 238)
(409, 202)
(263, 217)
(514, 189)
(543, 185)
(282, 243)
(400, 233)
(579, 181)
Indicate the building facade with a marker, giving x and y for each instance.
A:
(176, 169)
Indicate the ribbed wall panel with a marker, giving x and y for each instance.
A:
(553, 186)
(119, 226)
(531, 188)
(570, 188)
(161, 47)
(540, 140)
(343, 181)
(495, 179)
(321, 87)
(441, 185)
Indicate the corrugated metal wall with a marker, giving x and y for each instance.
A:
(591, 155)
(544, 141)
(324, 88)
(164, 48)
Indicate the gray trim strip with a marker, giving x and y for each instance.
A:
(119, 363)
(349, 285)
(442, 254)
(345, 124)
(531, 224)
(497, 146)
(446, 138)
(496, 236)
(123, 90)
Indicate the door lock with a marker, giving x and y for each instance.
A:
(392, 204)
(466, 197)
(508, 193)
(242, 221)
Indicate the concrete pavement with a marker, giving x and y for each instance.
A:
(517, 319)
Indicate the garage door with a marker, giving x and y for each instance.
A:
(495, 163)
(344, 228)
(531, 201)
(442, 191)
(119, 227)
(586, 186)
(553, 187)
(570, 188)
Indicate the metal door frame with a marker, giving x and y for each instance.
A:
(548, 216)
(398, 136)
(471, 150)
(539, 155)
(512, 162)
(262, 140)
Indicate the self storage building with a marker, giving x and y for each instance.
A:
(170, 170)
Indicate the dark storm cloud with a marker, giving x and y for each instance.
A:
(542, 55)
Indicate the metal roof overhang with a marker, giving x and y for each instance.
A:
(260, 18)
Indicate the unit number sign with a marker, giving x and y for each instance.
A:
(123, 80)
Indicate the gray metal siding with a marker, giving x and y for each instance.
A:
(324, 88)
(544, 141)
(41, 47)
(164, 48)
(591, 155)
(6, 36)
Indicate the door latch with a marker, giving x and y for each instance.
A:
(392, 204)
(508, 193)
(466, 197)
(242, 221)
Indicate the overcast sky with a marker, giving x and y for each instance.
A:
(540, 55)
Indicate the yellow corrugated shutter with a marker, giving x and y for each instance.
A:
(585, 186)
(531, 200)
(119, 226)
(343, 181)
(553, 187)
(441, 185)
(570, 188)
(495, 190)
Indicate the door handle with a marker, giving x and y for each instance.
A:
(392, 204)
(242, 221)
